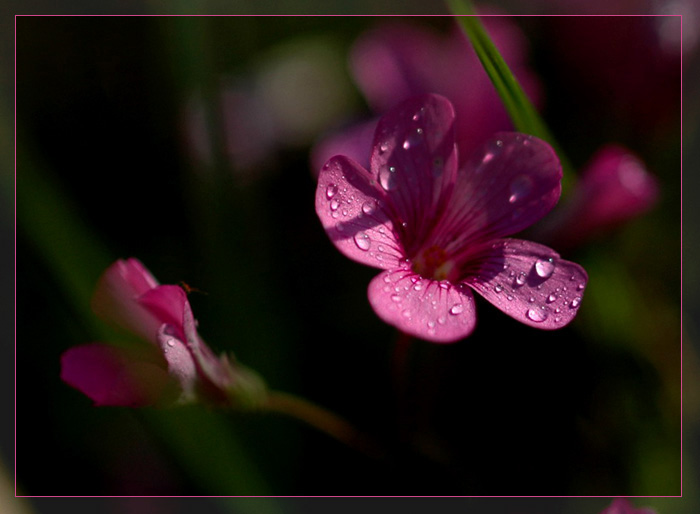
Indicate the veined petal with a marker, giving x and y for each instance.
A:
(510, 184)
(528, 281)
(354, 212)
(111, 376)
(414, 160)
(115, 297)
(428, 309)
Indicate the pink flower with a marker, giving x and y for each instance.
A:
(623, 506)
(176, 360)
(614, 188)
(397, 61)
(438, 231)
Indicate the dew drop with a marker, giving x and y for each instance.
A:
(171, 343)
(499, 143)
(387, 278)
(413, 139)
(383, 147)
(510, 297)
(406, 313)
(362, 241)
(387, 179)
(575, 302)
(520, 187)
(457, 309)
(531, 299)
(580, 287)
(498, 288)
(335, 204)
(368, 207)
(331, 191)
(520, 280)
(431, 324)
(442, 320)
(418, 286)
(537, 315)
(395, 298)
(544, 269)
(552, 297)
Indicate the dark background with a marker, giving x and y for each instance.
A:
(104, 172)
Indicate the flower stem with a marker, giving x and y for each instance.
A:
(321, 419)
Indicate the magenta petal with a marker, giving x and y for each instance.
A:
(354, 142)
(215, 370)
(355, 215)
(167, 305)
(529, 282)
(181, 365)
(510, 184)
(110, 376)
(116, 293)
(623, 506)
(435, 311)
(414, 159)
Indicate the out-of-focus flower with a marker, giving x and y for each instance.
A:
(176, 364)
(613, 188)
(623, 506)
(396, 61)
(292, 93)
(437, 229)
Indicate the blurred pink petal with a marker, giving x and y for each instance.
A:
(623, 506)
(437, 230)
(397, 60)
(161, 316)
(114, 298)
(111, 376)
(614, 188)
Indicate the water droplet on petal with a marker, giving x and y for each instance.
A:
(387, 179)
(171, 343)
(580, 287)
(362, 241)
(369, 206)
(551, 298)
(331, 191)
(335, 204)
(406, 313)
(520, 187)
(575, 302)
(499, 143)
(383, 147)
(395, 298)
(457, 309)
(537, 315)
(544, 269)
(498, 288)
(520, 280)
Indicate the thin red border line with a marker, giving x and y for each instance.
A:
(15, 250)
(332, 15)
(681, 255)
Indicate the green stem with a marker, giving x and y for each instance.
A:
(520, 110)
(321, 419)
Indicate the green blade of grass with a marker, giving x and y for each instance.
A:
(521, 111)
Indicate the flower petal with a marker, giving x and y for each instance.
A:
(354, 212)
(167, 305)
(111, 376)
(613, 188)
(414, 160)
(528, 281)
(511, 183)
(431, 310)
(181, 365)
(354, 142)
(114, 298)
(624, 506)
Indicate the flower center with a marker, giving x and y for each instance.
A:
(433, 263)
